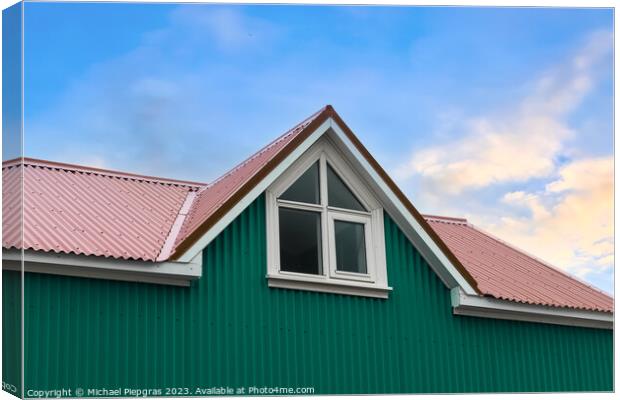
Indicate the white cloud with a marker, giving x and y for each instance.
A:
(530, 200)
(519, 144)
(570, 223)
(562, 212)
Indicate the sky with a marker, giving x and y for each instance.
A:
(503, 116)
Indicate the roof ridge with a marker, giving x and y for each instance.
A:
(541, 261)
(40, 163)
(444, 219)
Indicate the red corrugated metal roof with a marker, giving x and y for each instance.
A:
(507, 273)
(90, 211)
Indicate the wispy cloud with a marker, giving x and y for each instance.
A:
(517, 144)
(566, 217)
(570, 222)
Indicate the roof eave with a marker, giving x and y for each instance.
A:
(486, 307)
(89, 266)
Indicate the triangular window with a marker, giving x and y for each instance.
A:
(306, 189)
(339, 195)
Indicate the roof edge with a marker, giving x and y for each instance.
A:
(263, 149)
(450, 220)
(99, 267)
(488, 307)
(36, 162)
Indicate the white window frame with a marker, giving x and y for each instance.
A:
(365, 220)
(374, 282)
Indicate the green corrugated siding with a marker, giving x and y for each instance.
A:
(11, 332)
(230, 329)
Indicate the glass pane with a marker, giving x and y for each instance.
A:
(300, 241)
(339, 194)
(350, 247)
(306, 188)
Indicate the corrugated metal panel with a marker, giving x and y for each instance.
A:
(11, 332)
(230, 329)
(11, 207)
(93, 212)
(507, 273)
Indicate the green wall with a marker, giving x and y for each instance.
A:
(11, 332)
(230, 329)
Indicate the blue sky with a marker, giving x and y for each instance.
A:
(492, 114)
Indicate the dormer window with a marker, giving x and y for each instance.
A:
(325, 228)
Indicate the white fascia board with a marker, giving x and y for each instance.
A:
(407, 222)
(167, 273)
(241, 205)
(485, 307)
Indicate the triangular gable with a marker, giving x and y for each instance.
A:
(220, 202)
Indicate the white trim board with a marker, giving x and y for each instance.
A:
(165, 273)
(485, 307)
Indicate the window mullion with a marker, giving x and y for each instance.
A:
(324, 220)
(323, 180)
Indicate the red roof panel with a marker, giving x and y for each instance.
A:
(507, 273)
(73, 209)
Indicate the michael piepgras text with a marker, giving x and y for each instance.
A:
(172, 391)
